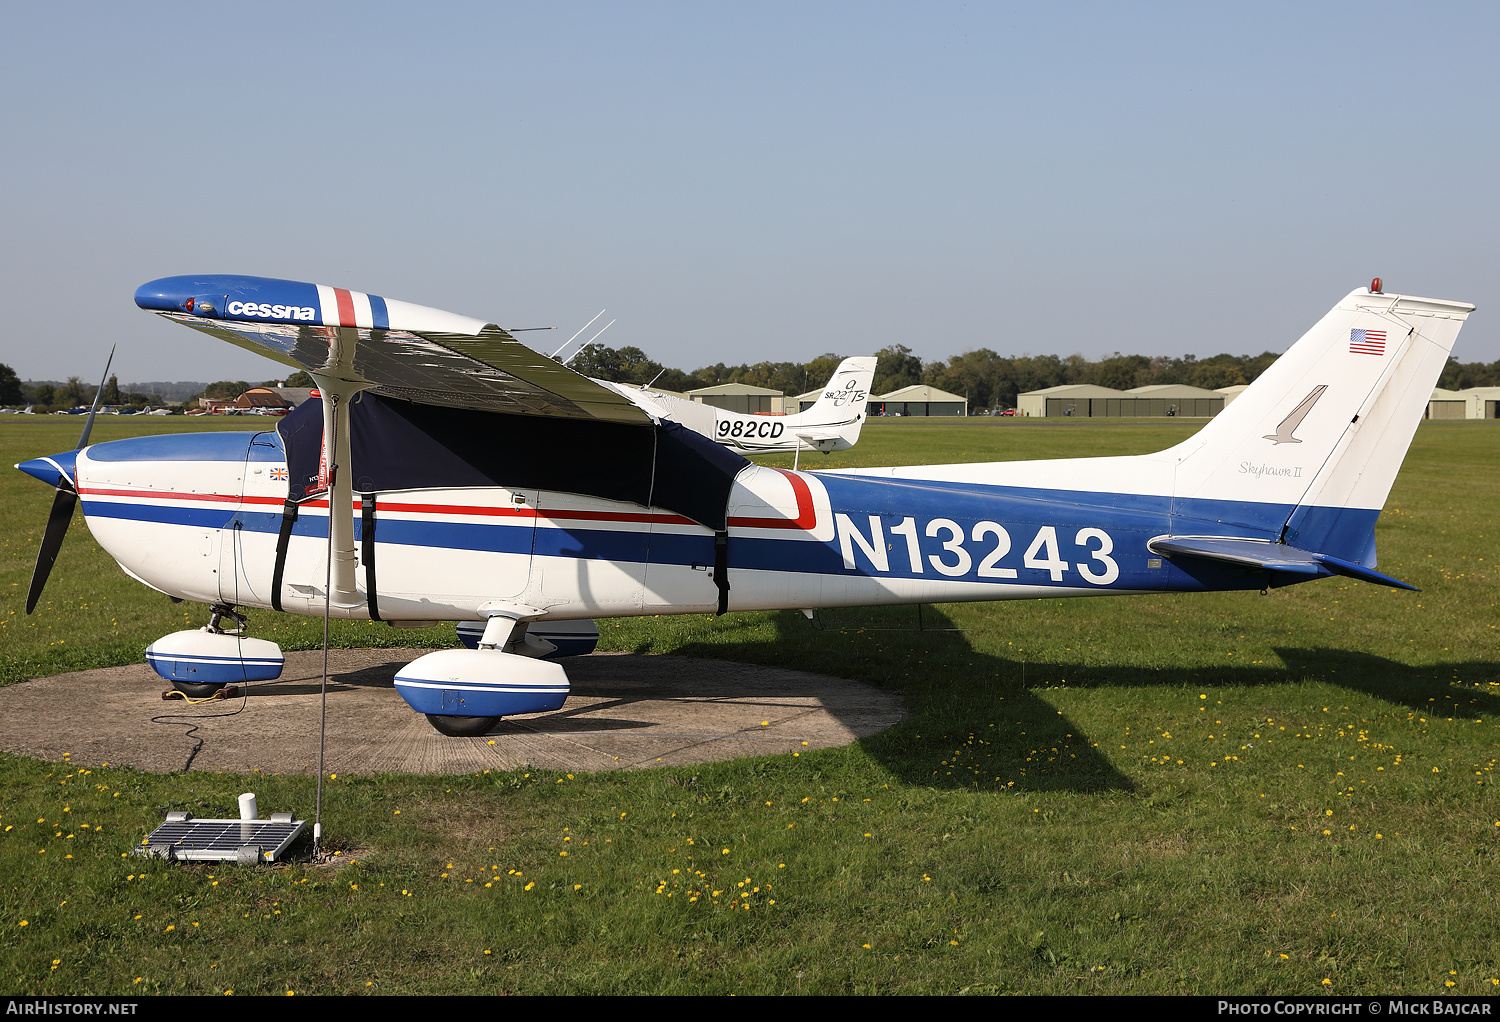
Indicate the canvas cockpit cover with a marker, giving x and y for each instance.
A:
(398, 445)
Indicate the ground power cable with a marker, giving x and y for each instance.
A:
(192, 729)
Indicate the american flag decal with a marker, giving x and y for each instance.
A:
(1367, 342)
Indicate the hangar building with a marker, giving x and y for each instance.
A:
(1077, 399)
(1482, 402)
(1446, 404)
(919, 399)
(740, 397)
(1088, 401)
(1174, 399)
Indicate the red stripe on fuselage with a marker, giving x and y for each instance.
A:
(807, 515)
(216, 498)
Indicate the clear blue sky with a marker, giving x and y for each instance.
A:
(752, 181)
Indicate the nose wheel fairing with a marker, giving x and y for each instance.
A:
(201, 657)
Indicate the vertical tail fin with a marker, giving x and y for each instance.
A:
(1325, 428)
(835, 419)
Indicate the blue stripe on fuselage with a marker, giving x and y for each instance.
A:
(1072, 550)
(1266, 519)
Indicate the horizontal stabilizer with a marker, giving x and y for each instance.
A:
(1267, 556)
(819, 441)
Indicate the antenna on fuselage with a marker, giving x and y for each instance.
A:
(591, 340)
(581, 329)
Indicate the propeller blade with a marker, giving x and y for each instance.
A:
(83, 441)
(57, 527)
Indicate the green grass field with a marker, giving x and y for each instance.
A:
(1206, 794)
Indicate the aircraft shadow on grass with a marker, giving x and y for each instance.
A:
(977, 725)
(979, 721)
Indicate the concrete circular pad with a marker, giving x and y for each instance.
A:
(626, 712)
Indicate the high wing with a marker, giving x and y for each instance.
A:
(401, 350)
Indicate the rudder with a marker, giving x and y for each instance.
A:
(1324, 430)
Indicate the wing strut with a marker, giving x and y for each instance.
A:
(338, 383)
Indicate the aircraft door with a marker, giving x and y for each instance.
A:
(515, 553)
(436, 551)
(589, 552)
(247, 542)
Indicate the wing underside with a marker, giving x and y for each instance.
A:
(489, 371)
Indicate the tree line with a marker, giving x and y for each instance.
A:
(987, 379)
(48, 397)
(55, 397)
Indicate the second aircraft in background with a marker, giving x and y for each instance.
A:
(831, 424)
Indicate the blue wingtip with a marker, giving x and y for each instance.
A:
(55, 470)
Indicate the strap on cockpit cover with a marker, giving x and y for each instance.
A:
(367, 551)
(284, 537)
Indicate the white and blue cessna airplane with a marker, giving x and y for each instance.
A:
(449, 473)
